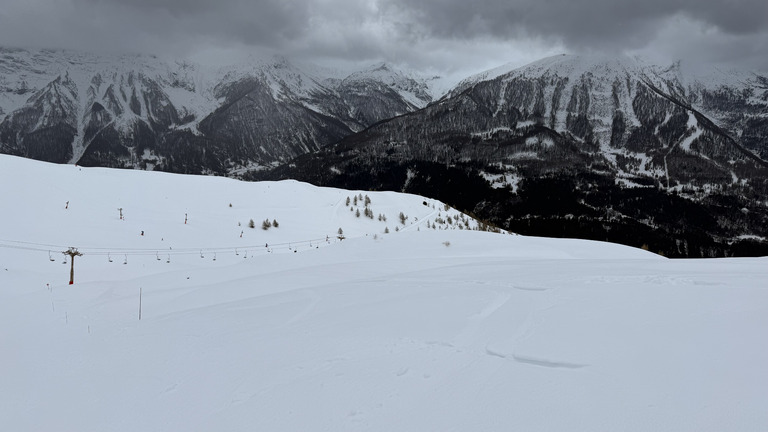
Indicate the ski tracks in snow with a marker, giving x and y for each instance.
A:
(509, 319)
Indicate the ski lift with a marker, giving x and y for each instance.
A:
(126, 259)
(65, 259)
(109, 258)
(50, 258)
(236, 252)
(246, 254)
(168, 261)
(201, 254)
(214, 256)
(157, 254)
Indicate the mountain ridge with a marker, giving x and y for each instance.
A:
(143, 109)
(580, 132)
(585, 146)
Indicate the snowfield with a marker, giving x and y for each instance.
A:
(425, 328)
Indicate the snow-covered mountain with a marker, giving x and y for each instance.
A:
(584, 146)
(144, 112)
(429, 327)
(610, 140)
(647, 120)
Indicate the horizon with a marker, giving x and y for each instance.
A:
(449, 39)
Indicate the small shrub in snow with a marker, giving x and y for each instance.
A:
(266, 224)
(251, 224)
(274, 223)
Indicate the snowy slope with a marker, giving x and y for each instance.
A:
(418, 329)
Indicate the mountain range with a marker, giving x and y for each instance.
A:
(605, 148)
(143, 112)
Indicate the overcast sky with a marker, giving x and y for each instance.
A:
(449, 37)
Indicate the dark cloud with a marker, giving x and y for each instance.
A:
(581, 23)
(457, 36)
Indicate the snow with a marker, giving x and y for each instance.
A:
(693, 126)
(421, 329)
(497, 181)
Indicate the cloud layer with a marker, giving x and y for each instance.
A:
(444, 36)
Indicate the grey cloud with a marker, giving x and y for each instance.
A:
(427, 34)
(581, 23)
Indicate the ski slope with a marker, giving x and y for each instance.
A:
(292, 329)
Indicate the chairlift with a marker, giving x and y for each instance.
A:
(236, 252)
(65, 260)
(157, 254)
(214, 256)
(126, 259)
(50, 258)
(201, 254)
(168, 261)
(109, 258)
(246, 254)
